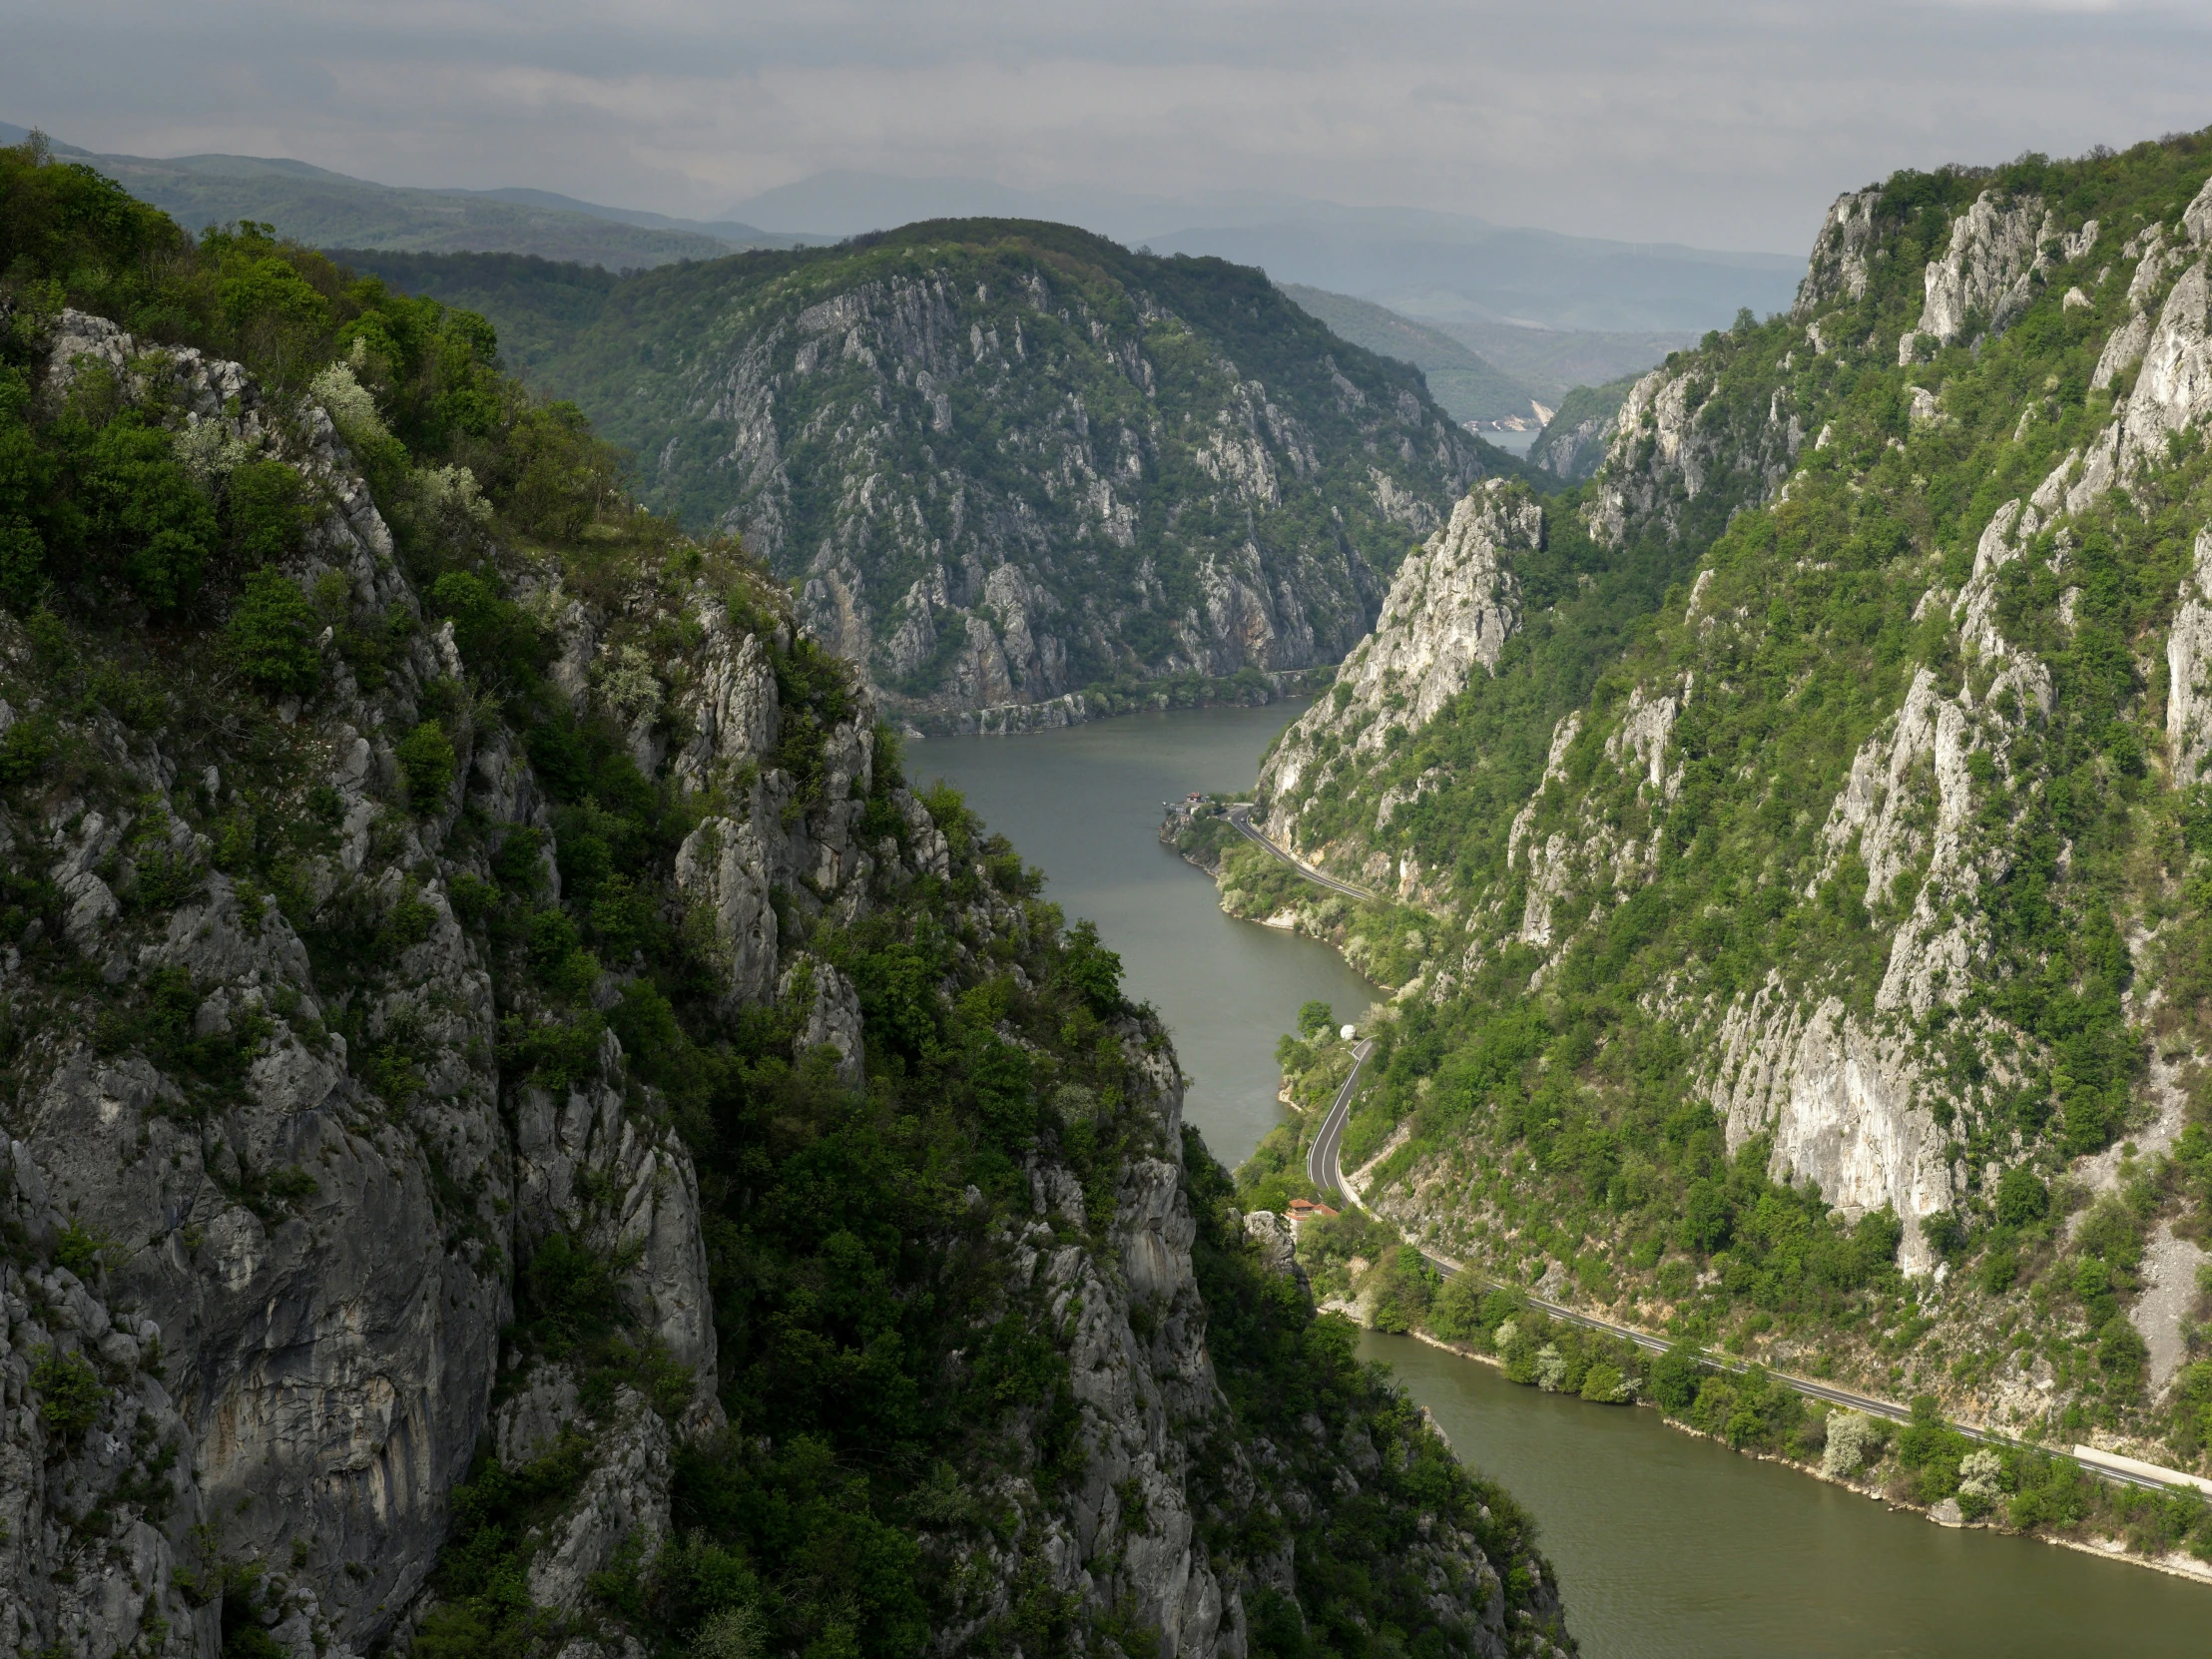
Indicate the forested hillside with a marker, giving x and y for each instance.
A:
(1469, 387)
(525, 1133)
(1006, 463)
(1797, 834)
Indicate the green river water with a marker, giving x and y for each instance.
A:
(1665, 1544)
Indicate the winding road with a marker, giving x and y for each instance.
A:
(1240, 816)
(1323, 1169)
(1321, 1157)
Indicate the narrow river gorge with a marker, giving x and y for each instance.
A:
(1665, 1544)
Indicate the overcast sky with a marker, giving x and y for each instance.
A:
(1720, 123)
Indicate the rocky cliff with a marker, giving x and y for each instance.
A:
(1877, 832)
(525, 1136)
(1451, 607)
(1008, 462)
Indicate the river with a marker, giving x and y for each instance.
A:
(1084, 803)
(1665, 1544)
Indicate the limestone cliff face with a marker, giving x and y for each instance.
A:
(1575, 450)
(271, 1167)
(1921, 818)
(1006, 462)
(1998, 256)
(1447, 617)
(961, 588)
(1672, 444)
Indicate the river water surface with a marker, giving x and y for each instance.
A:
(1666, 1545)
(1084, 803)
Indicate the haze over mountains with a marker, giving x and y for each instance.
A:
(330, 209)
(1550, 312)
(1428, 264)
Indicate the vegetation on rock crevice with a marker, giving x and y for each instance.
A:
(1638, 867)
(901, 1427)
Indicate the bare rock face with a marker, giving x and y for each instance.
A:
(1278, 1242)
(1988, 271)
(1671, 445)
(1449, 615)
(624, 1502)
(1575, 453)
(833, 1015)
(1836, 271)
(2189, 669)
(998, 477)
(1840, 1102)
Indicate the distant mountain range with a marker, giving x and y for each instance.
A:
(1497, 317)
(331, 210)
(1456, 271)
(1469, 386)
(1447, 269)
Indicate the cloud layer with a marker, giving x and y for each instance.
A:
(1719, 124)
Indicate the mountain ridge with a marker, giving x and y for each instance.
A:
(1465, 383)
(526, 1133)
(1795, 833)
(1078, 474)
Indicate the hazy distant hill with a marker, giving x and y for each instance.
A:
(1509, 274)
(330, 210)
(1553, 361)
(1468, 386)
(1546, 311)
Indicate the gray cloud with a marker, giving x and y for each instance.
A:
(1714, 122)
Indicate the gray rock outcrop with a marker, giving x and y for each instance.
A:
(1450, 610)
(996, 483)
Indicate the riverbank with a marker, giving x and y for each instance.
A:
(1912, 1457)
(1907, 1456)
(1677, 1546)
(2104, 1548)
(1248, 688)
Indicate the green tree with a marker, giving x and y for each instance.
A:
(1675, 1379)
(1316, 1019)
(2022, 1199)
(428, 763)
(265, 503)
(71, 1395)
(144, 514)
(271, 635)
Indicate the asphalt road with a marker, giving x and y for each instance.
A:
(1321, 1157)
(1321, 1169)
(1240, 816)
(1809, 1387)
